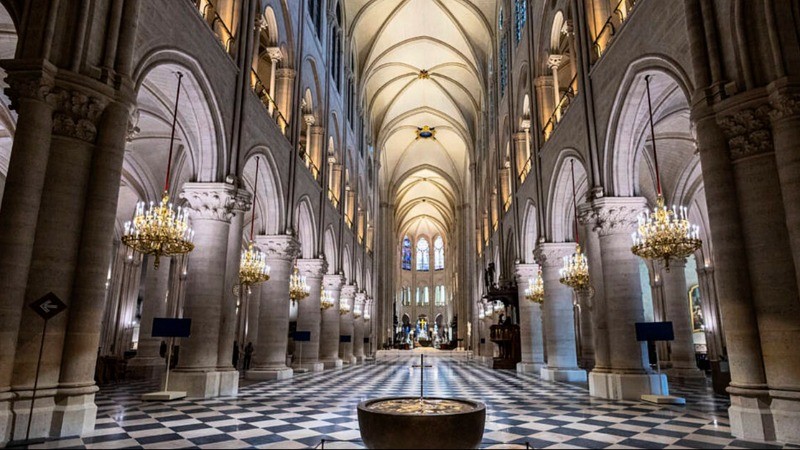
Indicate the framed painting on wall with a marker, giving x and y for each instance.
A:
(696, 310)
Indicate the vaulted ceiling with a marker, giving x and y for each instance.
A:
(422, 64)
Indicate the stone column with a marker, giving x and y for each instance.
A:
(586, 336)
(553, 62)
(316, 144)
(269, 357)
(309, 317)
(227, 332)
(75, 410)
(249, 333)
(562, 359)
(597, 303)
(760, 184)
(544, 86)
(57, 251)
(358, 327)
(18, 217)
(148, 363)
(629, 374)
(329, 336)
(676, 305)
(530, 323)
(283, 93)
(346, 325)
(210, 206)
(275, 57)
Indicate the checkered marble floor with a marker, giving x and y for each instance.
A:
(302, 411)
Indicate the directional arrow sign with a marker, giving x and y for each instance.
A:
(48, 306)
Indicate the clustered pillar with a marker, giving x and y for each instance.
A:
(562, 359)
(329, 336)
(530, 318)
(346, 329)
(269, 355)
(309, 318)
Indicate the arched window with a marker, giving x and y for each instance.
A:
(406, 255)
(423, 255)
(441, 298)
(503, 56)
(337, 49)
(521, 16)
(423, 298)
(438, 253)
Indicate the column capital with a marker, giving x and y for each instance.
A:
(613, 215)
(279, 247)
(312, 268)
(551, 254)
(242, 201)
(29, 82)
(333, 282)
(525, 272)
(747, 130)
(309, 119)
(317, 130)
(784, 105)
(348, 291)
(553, 61)
(210, 201)
(520, 137)
(361, 298)
(76, 112)
(274, 54)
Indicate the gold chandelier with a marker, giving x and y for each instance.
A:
(161, 230)
(298, 287)
(344, 307)
(575, 272)
(253, 268)
(535, 290)
(664, 233)
(325, 300)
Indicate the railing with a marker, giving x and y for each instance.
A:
(309, 163)
(507, 203)
(332, 197)
(610, 28)
(348, 221)
(560, 109)
(216, 23)
(266, 99)
(526, 169)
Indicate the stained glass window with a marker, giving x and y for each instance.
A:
(423, 255)
(406, 253)
(438, 253)
(521, 16)
(503, 65)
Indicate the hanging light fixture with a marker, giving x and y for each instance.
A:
(325, 300)
(664, 233)
(161, 230)
(298, 287)
(253, 268)
(575, 272)
(344, 307)
(535, 290)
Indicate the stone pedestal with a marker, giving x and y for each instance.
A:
(629, 374)
(530, 325)
(310, 317)
(562, 360)
(269, 356)
(329, 336)
(197, 372)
